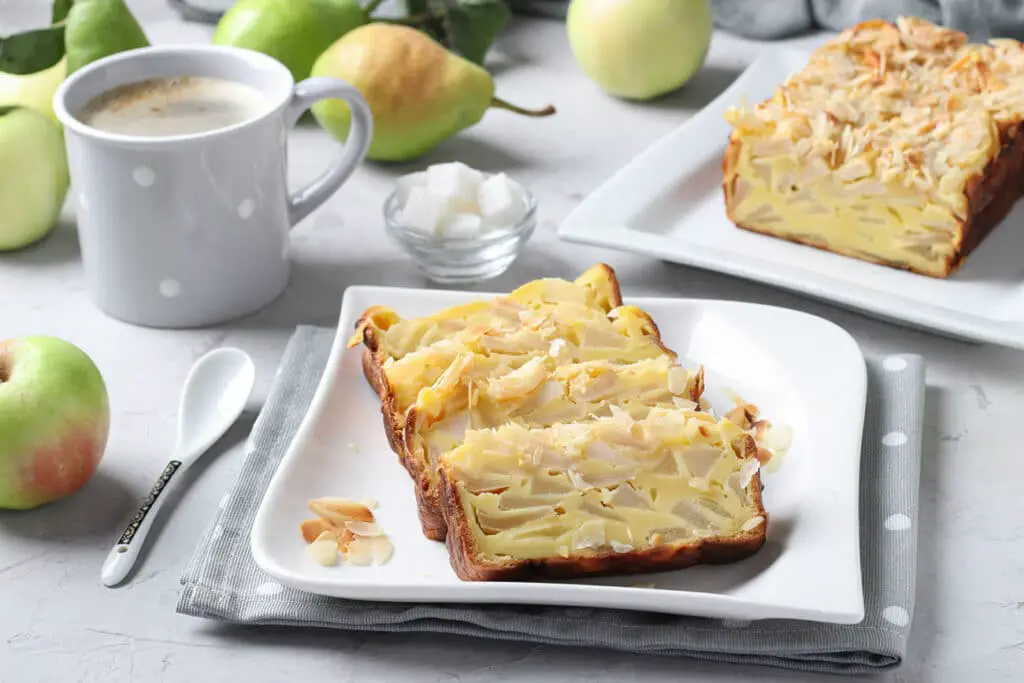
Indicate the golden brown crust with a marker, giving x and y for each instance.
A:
(374, 374)
(463, 553)
(606, 271)
(428, 504)
(992, 195)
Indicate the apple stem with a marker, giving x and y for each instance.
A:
(5, 371)
(372, 6)
(499, 103)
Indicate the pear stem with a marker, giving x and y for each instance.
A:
(499, 103)
(372, 6)
(5, 372)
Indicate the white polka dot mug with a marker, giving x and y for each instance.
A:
(192, 230)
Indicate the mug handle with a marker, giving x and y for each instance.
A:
(305, 95)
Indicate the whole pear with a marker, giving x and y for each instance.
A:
(418, 91)
(294, 32)
(639, 49)
(99, 28)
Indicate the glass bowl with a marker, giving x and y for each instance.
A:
(462, 260)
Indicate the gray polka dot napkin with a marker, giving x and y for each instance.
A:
(223, 582)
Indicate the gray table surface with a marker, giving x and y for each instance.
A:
(58, 624)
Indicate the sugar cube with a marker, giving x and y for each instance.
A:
(502, 201)
(404, 185)
(461, 225)
(423, 210)
(458, 183)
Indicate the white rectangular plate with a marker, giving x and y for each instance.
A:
(800, 370)
(667, 203)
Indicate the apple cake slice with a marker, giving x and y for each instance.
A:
(539, 393)
(616, 494)
(586, 317)
(898, 143)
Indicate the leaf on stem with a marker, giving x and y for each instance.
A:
(32, 51)
(472, 25)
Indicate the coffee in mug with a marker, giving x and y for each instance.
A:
(163, 107)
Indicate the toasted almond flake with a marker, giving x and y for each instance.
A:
(364, 529)
(748, 469)
(324, 552)
(558, 349)
(340, 510)
(359, 552)
(381, 550)
(313, 528)
(327, 536)
(678, 381)
(752, 523)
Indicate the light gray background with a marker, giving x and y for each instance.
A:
(58, 624)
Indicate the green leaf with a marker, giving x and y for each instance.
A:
(60, 10)
(472, 25)
(32, 51)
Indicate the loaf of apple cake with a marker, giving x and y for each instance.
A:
(898, 143)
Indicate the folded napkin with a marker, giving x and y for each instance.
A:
(223, 582)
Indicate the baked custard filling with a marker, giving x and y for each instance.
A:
(617, 484)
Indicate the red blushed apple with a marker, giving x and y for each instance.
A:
(54, 420)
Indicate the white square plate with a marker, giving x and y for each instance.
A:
(667, 203)
(800, 370)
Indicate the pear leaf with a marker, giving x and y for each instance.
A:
(38, 49)
(32, 51)
(472, 25)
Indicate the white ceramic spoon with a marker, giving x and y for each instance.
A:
(215, 393)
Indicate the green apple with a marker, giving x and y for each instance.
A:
(294, 32)
(34, 91)
(639, 49)
(33, 176)
(54, 420)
